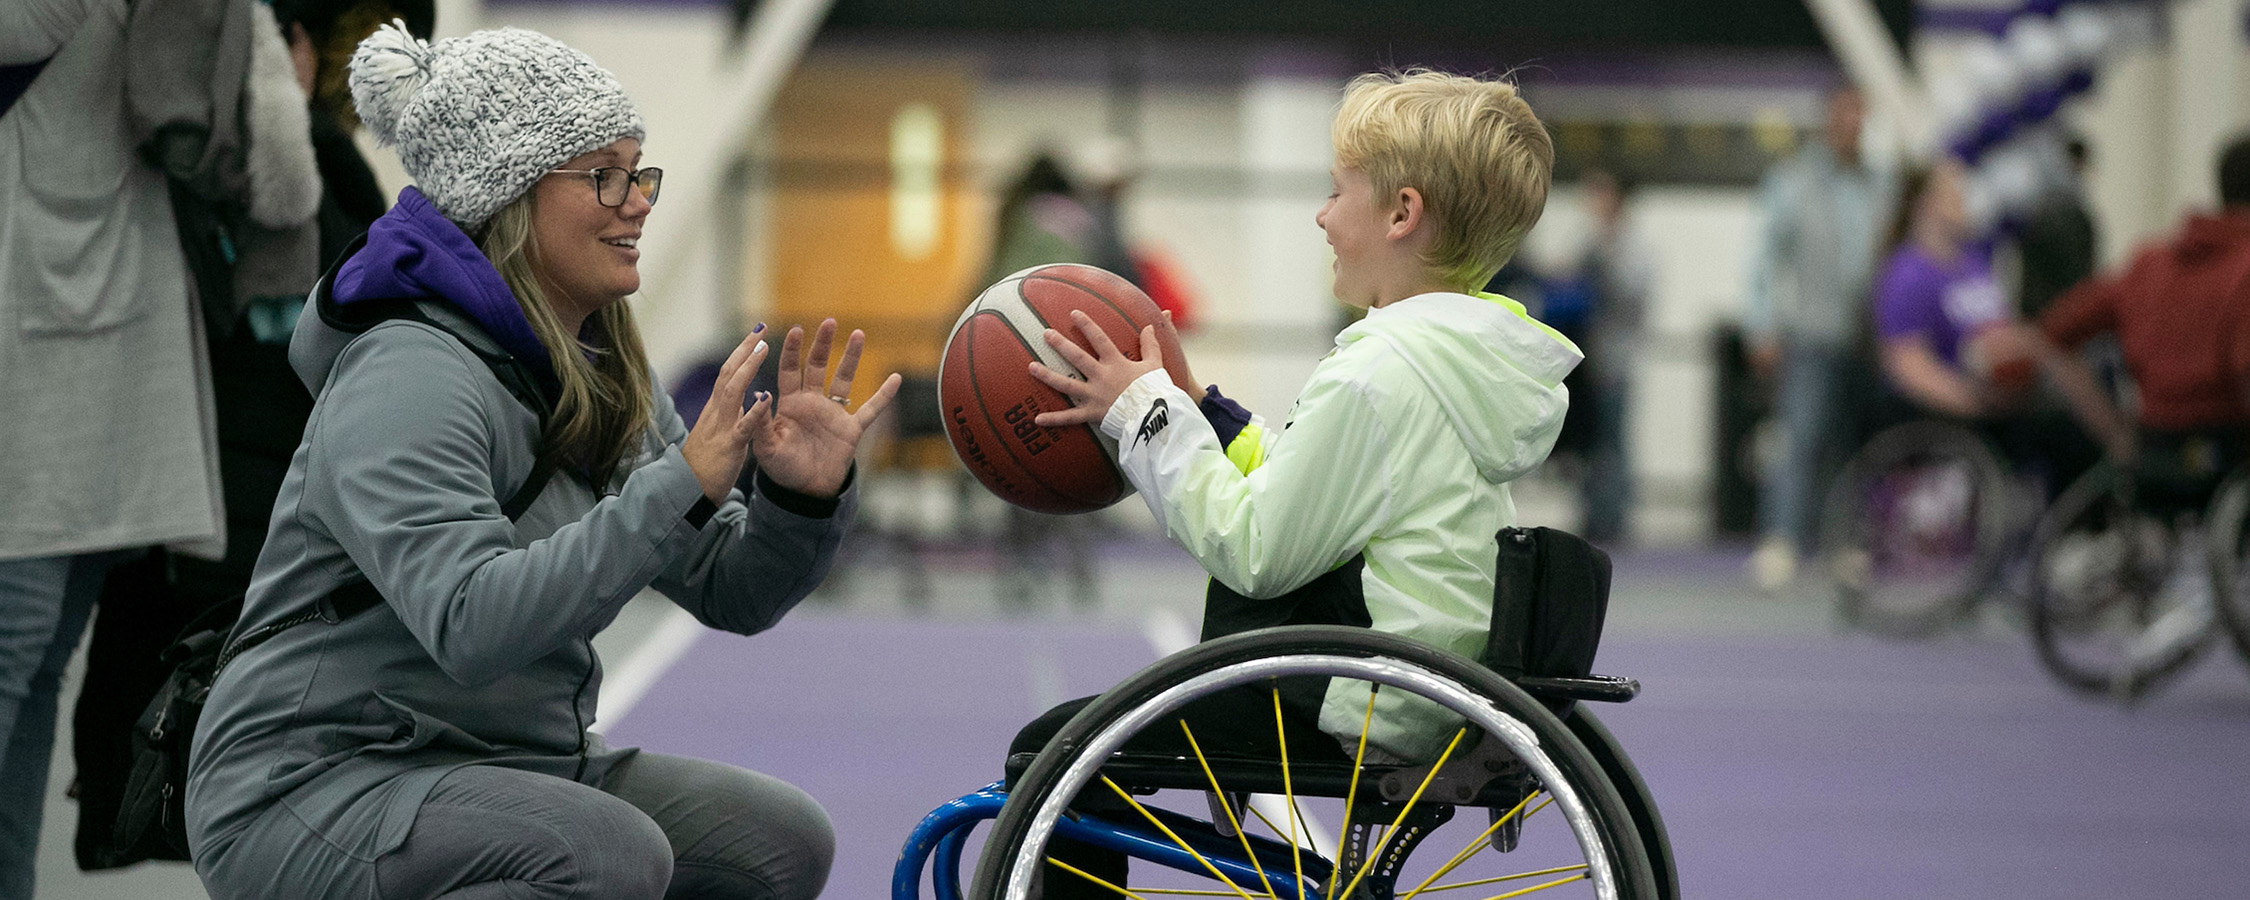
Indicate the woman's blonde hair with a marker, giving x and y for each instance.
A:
(1473, 149)
(605, 402)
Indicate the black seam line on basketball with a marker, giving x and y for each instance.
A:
(990, 427)
(993, 428)
(1090, 292)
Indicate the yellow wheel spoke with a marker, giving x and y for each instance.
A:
(1539, 887)
(1183, 892)
(1542, 805)
(1369, 862)
(1232, 820)
(1470, 850)
(1351, 796)
(1160, 826)
(1093, 878)
(1519, 876)
(1270, 826)
(1288, 792)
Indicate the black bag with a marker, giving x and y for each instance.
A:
(156, 791)
(155, 795)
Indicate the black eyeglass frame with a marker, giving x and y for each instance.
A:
(654, 176)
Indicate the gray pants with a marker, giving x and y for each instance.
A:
(658, 827)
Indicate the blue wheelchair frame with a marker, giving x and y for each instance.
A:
(937, 841)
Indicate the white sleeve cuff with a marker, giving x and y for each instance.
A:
(1141, 413)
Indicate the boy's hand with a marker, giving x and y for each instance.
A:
(1175, 361)
(1107, 372)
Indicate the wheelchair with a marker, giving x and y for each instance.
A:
(2230, 548)
(1918, 526)
(1529, 785)
(2136, 572)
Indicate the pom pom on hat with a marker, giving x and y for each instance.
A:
(390, 67)
(479, 119)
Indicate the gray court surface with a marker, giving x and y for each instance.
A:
(1793, 759)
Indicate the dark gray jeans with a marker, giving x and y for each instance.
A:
(658, 827)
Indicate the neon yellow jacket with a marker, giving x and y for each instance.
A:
(1400, 447)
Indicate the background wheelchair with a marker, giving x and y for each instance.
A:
(1919, 525)
(2130, 567)
(1531, 794)
(2140, 570)
(2230, 548)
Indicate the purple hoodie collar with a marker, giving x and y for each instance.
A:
(413, 252)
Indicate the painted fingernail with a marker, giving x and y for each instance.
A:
(758, 347)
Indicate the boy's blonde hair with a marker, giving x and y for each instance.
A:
(1472, 147)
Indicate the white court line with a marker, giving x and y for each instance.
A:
(623, 688)
(1168, 632)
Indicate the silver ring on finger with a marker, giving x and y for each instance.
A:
(843, 400)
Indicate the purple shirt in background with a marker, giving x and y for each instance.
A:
(1943, 303)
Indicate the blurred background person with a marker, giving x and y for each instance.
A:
(1948, 342)
(299, 135)
(2058, 244)
(1617, 271)
(322, 35)
(1823, 213)
(109, 445)
(2180, 310)
(1044, 219)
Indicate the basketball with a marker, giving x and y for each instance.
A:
(989, 398)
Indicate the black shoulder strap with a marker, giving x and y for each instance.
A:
(16, 80)
(358, 596)
(510, 371)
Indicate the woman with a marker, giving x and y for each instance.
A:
(1949, 342)
(1938, 311)
(435, 745)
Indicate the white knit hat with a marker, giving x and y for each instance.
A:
(479, 119)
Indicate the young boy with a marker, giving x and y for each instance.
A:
(1377, 503)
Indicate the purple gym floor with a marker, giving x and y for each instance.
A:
(1793, 765)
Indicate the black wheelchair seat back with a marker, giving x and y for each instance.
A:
(1550, 599)
(1550, 596)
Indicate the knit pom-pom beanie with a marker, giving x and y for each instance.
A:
(479, 119)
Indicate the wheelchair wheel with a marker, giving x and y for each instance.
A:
(2121, 598)
(1558, 824)
(1915, 528)
(2230, 558)
(1655, 841)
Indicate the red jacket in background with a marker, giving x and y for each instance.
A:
(2181, 312)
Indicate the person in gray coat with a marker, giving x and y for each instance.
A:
(107, 444)
(436, 744)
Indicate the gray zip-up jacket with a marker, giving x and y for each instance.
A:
(481, 653)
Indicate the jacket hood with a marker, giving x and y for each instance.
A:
(2210, 236)
(1496, 372)
(412, 253)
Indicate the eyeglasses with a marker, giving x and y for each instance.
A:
(610, 182)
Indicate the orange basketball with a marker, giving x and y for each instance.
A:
(989, 397)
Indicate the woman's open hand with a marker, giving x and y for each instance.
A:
(720, 441)
(803, 435)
